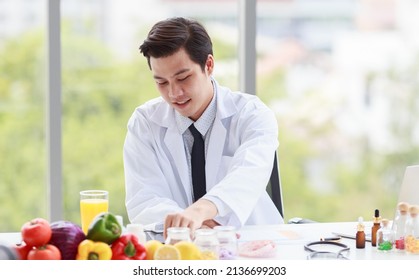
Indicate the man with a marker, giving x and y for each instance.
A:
(240, 139)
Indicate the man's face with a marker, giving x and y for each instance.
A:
(183, 84)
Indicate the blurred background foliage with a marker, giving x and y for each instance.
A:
(100, 93)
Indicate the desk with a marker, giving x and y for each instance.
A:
(290, 240)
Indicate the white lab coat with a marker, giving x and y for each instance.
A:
(239, 162)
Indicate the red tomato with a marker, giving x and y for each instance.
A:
(47, 252)
(22, 250)
(36, 232)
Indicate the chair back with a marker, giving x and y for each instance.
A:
(274, 187)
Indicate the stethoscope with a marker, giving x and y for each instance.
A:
(309, 247)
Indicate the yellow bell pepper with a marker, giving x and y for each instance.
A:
(93, 250)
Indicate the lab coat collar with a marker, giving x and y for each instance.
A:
(225, 104)
(164, 116)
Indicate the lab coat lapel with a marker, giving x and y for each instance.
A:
(215, 152)
(174, 142)
(164, 117)
(225, 109)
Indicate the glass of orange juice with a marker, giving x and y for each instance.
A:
(92, 203)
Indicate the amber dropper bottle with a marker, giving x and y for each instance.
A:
(375, 227)
(360, 234)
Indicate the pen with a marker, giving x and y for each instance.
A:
(334, 238)
(342, 235)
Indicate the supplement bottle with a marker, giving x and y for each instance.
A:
(176, 234)
(207, 242)
(375, 227)
(228, 242)
(399, 225)
(137, 230)
(385, 237)
(412, 231)
(360, 234)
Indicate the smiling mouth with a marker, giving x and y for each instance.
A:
(181, 103)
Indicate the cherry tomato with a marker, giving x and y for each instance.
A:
(46, 252)
(36, 232)
(22, 250)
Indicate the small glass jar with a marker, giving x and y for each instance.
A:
(360, 234)
(385, 237)
(227, 239)
(399, 225)
(412, 231)
(120, 220)
(137, 230)
(207, 242)
(176, 234)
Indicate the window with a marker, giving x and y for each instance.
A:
(342, 78)
(22, 112)
(340, 75)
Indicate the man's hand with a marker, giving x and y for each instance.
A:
(195, 216)
(209, 224)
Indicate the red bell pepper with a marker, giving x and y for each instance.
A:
(127, 247)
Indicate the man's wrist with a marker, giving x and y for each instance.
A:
(204, 208)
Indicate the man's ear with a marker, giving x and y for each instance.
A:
(209, 64)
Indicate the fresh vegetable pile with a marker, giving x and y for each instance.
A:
(36, 235)
(64, 240)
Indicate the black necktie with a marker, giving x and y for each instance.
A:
(198, 164)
